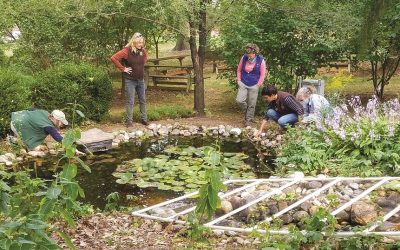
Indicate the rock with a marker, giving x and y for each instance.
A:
(240, 240)
(343, 216)
(175, 131)
(152, 126)
(235, 131)
(388, 226)
(306, 206)
(299, 215)
(394, 196)
(163, 131)
(363, 213)
(313, 184)
(236, 202)
(297, 175)
(139, 133)
(313, 210)
(321, 176)
(218, 232)
(35, 154)
(273, 208)
(282, 205)
(286, 219)
(186, 133)
(385, 202)
(226, 206)
(10, 156)
(354, 185)
(347, 191)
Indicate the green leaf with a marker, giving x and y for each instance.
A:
(53, 192)
(66, 239)
(69, 171)
(4, 186)
(83, 164)
(67, 217)
(46, 207)
(80, 113)
(36, 224)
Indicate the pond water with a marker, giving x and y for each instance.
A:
(100, 182)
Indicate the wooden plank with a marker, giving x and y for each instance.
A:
(176, 88)
(171, 82)
(167, 76)
(169, 66)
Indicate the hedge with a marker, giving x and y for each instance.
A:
(88, 85)
(15, 95)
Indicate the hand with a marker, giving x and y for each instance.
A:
(128, 70)
(257, 133)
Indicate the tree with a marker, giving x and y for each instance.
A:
(380, 41)
(295, 37)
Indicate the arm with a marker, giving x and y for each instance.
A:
(262, 73)
(117, 57)
(263, 123)
(54, 133)
(239, 70)
(294, 105)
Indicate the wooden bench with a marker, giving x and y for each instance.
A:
(156, 61)
(170, 77)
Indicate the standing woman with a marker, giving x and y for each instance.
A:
(250, 76)
(134, 56)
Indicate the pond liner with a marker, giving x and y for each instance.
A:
(333, 181)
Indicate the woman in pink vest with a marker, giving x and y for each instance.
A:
(134, 56)
(250, 77)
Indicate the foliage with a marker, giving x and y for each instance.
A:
(85, 84)
(184, 169)
(15, 90)
(208, 200)
(338, 81)
(352, 140)
(295, 37)
(379, 41)
(28, 205)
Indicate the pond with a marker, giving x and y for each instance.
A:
(100, 182)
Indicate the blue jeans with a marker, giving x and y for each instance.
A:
(132, 86)
(282, 120)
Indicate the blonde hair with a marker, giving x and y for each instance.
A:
(135, 39)
(251, 48)
(305, 92)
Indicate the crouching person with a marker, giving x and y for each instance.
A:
(315, 106)
(33, 126)
(282, 108)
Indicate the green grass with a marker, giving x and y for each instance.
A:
(154, 113)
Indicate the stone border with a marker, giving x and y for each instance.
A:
(268, 140)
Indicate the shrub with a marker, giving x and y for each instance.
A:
(15, 93)
(86, 84)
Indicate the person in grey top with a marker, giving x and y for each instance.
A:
(315, 106)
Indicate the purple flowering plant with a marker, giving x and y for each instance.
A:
(352, 139)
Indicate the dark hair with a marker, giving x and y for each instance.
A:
(251, 48)
(269, 90)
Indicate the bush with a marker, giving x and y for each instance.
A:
(15, 95)
(86, 84)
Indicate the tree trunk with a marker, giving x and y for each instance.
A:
(181, 44)
(198, 72)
